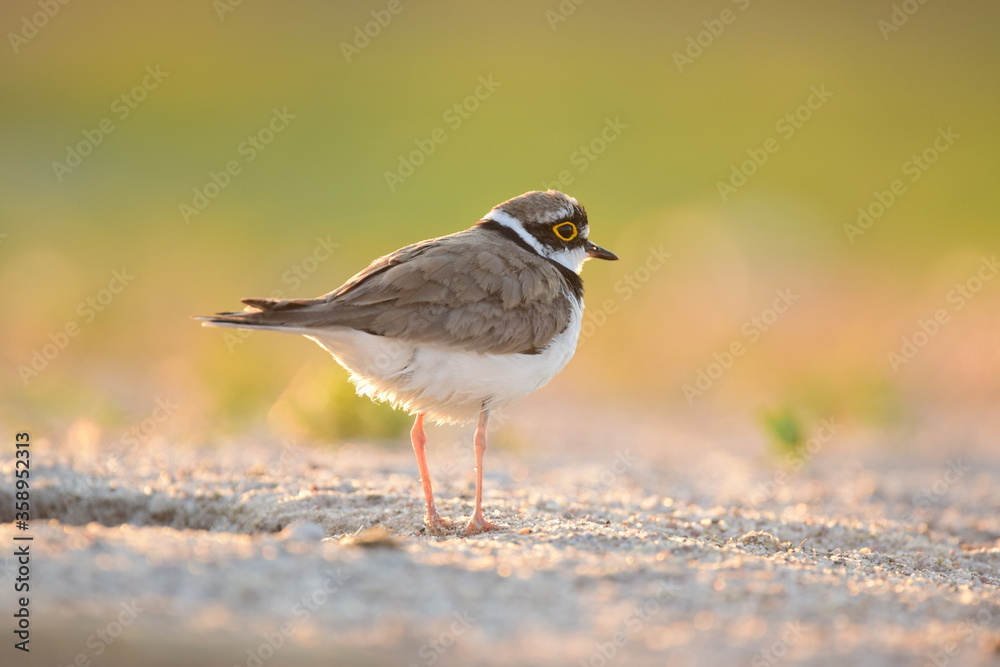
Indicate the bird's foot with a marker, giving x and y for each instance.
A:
(478, 524)
(437, 524)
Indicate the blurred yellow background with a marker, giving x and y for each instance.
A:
(803, 197)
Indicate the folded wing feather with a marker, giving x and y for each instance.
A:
(468, 290)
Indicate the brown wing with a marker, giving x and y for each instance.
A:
(473, 290)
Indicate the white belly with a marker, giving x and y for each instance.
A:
(448, 386)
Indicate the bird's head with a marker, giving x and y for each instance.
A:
(553, 224)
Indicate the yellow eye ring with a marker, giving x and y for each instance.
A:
(566, 231)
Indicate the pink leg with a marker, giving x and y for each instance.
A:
(432, 519)
(478, 523)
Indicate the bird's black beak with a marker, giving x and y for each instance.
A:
(597, 252)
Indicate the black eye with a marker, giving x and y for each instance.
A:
(566, 231)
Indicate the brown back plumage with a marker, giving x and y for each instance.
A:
(473, 290)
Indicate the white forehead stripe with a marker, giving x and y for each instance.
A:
(513, 224)
(553, 216)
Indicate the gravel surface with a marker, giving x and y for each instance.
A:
(253, 555)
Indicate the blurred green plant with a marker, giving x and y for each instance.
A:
(785, 433)
(323, 405)
(349, 416)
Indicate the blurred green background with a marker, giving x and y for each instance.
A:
(638, 109)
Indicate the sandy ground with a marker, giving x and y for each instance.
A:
(284, 555)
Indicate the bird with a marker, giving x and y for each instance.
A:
(453, 328)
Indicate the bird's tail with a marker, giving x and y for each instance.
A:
(269, 314)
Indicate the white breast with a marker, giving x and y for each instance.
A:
(448, 386)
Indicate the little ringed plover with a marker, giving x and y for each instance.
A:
(455, 327)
